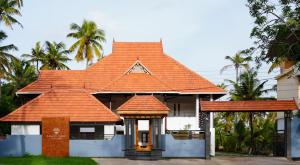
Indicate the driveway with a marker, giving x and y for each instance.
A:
(214, 161)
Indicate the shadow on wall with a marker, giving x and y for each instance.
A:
(183, 148)
(98, 148)
(19, 145)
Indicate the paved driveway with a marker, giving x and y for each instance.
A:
(213, 161)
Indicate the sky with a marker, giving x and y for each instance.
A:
(197, 33)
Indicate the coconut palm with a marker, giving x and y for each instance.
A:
(248, 88)
(89, 39)
(22, 73)
(9, 9)
(5, 58)
(55, 56)
(37, 53)
(238, 62)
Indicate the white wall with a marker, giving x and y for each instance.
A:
(25, 129)
(178, 123)
(287, 89)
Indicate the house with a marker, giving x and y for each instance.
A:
(136, 102)
(288, 88)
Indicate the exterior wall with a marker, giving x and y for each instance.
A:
(179, 123)
(19, 145)
(98, 148)
(287, 88)
(183, 148)
(295, 135)
(25, 129)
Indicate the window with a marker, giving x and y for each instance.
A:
(87, 132)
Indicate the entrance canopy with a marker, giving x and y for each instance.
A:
(143, 105)
(248, 106)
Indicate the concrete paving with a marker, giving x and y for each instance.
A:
(213, 161)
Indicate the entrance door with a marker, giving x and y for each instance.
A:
(143, 136)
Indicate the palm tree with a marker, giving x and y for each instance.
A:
(22, 73)
(237, 61)
(248, 88)
(5, 58)
(8, 9)
(37, 53)
(89, 39)
(55, 56)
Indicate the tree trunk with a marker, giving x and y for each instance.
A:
(37, 66)
(87, 63)
(0, 90)
(251, 133)
(237, 74)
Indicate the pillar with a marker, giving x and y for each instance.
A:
(207, 136)
(212, 131)
(197, 111)
(287, 134)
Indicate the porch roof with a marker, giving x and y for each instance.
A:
(248, 106)
(143, 105)
(74, 103)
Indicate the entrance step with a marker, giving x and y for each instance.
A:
(153, 155)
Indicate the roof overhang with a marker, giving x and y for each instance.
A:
(249, 106)
(158, 92)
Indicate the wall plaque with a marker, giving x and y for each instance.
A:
(55, 136)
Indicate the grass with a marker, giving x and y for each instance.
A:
(41, 160)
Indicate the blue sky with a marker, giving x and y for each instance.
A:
(197, 33)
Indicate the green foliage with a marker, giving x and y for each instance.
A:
(245, 132)
(9, 9)
(238, 61)
(249, 87)
(55, 56)
(36, 56)
(22, 73)
(41, 160)
(5, 56)
(89, 39)
(276, 30)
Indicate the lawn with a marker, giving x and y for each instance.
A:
(40, 160)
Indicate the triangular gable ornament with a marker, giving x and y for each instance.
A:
(138, 67)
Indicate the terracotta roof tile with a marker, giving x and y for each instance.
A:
(170, 73)
(76, 104)
(240, 106)
(143, 105)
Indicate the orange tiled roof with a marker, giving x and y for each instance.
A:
(143, 105)
(61, 79)
(245, 106)
(76, 104)
(106, 75)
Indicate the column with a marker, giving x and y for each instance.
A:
(212, 131)
(287, 134)
(197, 111)
(207, 136)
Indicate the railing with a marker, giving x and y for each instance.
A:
(186, 134)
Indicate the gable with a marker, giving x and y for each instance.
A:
(138, 68)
